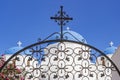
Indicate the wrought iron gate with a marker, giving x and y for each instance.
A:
(59, 59)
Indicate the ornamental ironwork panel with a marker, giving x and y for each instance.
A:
(59, 60)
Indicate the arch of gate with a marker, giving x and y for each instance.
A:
(59, 60)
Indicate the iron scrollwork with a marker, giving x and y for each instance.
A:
(64, 60)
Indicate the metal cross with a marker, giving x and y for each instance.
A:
(61, 18)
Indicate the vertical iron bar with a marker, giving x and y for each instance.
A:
(61, 22)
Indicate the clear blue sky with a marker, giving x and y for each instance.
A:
(98, 21)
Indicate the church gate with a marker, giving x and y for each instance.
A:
(59, 59)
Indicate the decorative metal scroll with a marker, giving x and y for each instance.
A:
(60, 60)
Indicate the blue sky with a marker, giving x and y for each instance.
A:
(98, 21)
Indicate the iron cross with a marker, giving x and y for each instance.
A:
(61, 18)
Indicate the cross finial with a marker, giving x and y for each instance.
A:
(61, 18)
(111, 43)
(19, 43)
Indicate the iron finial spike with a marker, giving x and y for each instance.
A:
(39, 39)
(61, 6)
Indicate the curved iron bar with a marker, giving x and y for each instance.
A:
(42, 42)
(72, 36)
(51, 35)
(63, 35)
